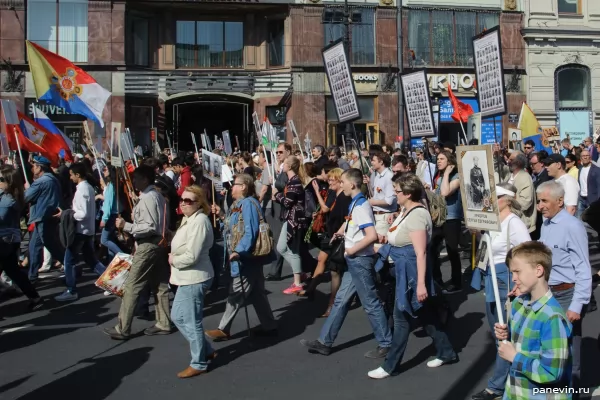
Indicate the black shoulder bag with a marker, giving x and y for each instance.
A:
(338, 247)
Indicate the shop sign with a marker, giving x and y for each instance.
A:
(365, 78)
(55, 113)
(488, 135)
(439, 82)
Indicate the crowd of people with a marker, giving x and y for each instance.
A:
(377, 217)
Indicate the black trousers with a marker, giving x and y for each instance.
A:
(9, 263)
(450, 232)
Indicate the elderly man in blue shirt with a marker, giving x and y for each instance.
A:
(571, 275)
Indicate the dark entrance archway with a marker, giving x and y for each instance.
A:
(214, 113)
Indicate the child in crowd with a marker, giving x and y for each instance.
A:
(540, 346)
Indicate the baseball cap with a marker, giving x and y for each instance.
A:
(41, 160)
(553, 158)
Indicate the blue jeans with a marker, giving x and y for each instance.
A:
(186, 314)
(108, 237)
(431, 324)
(45, 234)
(358, 279)
(84, 245)
(582, 204)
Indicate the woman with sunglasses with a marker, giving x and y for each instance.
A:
(513, 232)
(192, 272)
(11, 205)
(246, 269)
(407, 241)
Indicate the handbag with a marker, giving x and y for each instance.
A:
(338, 246)
(264, 240)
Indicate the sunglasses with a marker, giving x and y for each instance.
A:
(279, 152)
(528, 147)
(2, 179)
(187, 202)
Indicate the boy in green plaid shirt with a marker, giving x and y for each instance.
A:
(540, 350)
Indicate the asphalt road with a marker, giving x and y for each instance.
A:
(61, 352)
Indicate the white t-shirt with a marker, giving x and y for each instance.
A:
(583, 175)
(362, 218)
(518, 233)
(571, 189)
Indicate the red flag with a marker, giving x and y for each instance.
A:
(25, 143)
(52, 144)
(461, 110)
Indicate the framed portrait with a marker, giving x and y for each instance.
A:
(212, 166)
(115, 144)
(417, 104)
(337, 70)
(489, 73)
(474, 127)
(478, 187)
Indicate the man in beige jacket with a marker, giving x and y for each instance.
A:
(520, 178)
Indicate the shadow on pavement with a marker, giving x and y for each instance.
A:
(72, 313)
(96, 381)
(11, 385)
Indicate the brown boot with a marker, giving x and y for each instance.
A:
(190, 372)
(217, 335)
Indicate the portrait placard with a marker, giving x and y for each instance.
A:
(478, 187)
(474, 127)
(415, 91)
(491, 93)
(340, 81)
(115, 144)
(211, 166)
(227, 143)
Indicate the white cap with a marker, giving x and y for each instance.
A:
(79, 155)
(500, 191)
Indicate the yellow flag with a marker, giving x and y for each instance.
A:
(528, 123)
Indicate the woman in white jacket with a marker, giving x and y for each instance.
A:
(192, 272)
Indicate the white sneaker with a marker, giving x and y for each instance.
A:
(45, 269)
(436, 362)
(378, 373)
(67, 296)
(107, 293)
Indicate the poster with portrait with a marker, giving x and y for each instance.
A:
(211, 166)
(417, 104)
(340, 81)
(482, 256)
(227, 143)
(474, 127)
(115, 144)
(490, 73)
(478, 187)
(514, 139)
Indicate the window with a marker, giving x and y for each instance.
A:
(573, 87)
(444, 38)
(276, 43)
(210, 44)
(362, 32)
(60, 26)
(366, 106)
(569, 6)
(139, 41)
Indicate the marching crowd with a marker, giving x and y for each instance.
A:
(378, 218)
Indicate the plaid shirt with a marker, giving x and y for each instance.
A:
(541, 334)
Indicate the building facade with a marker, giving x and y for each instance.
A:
(438, 36)
(190, 66)
(563, 56)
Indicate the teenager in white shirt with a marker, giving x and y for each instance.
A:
(84, 213)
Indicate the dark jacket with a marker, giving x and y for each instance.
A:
(541, 178)
(67, 228)
(593, 183)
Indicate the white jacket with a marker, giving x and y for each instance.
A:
(189, 248)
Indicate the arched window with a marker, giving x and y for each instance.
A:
(573, 89)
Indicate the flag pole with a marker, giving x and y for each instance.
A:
(20, 155)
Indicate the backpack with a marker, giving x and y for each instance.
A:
(436, 203)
